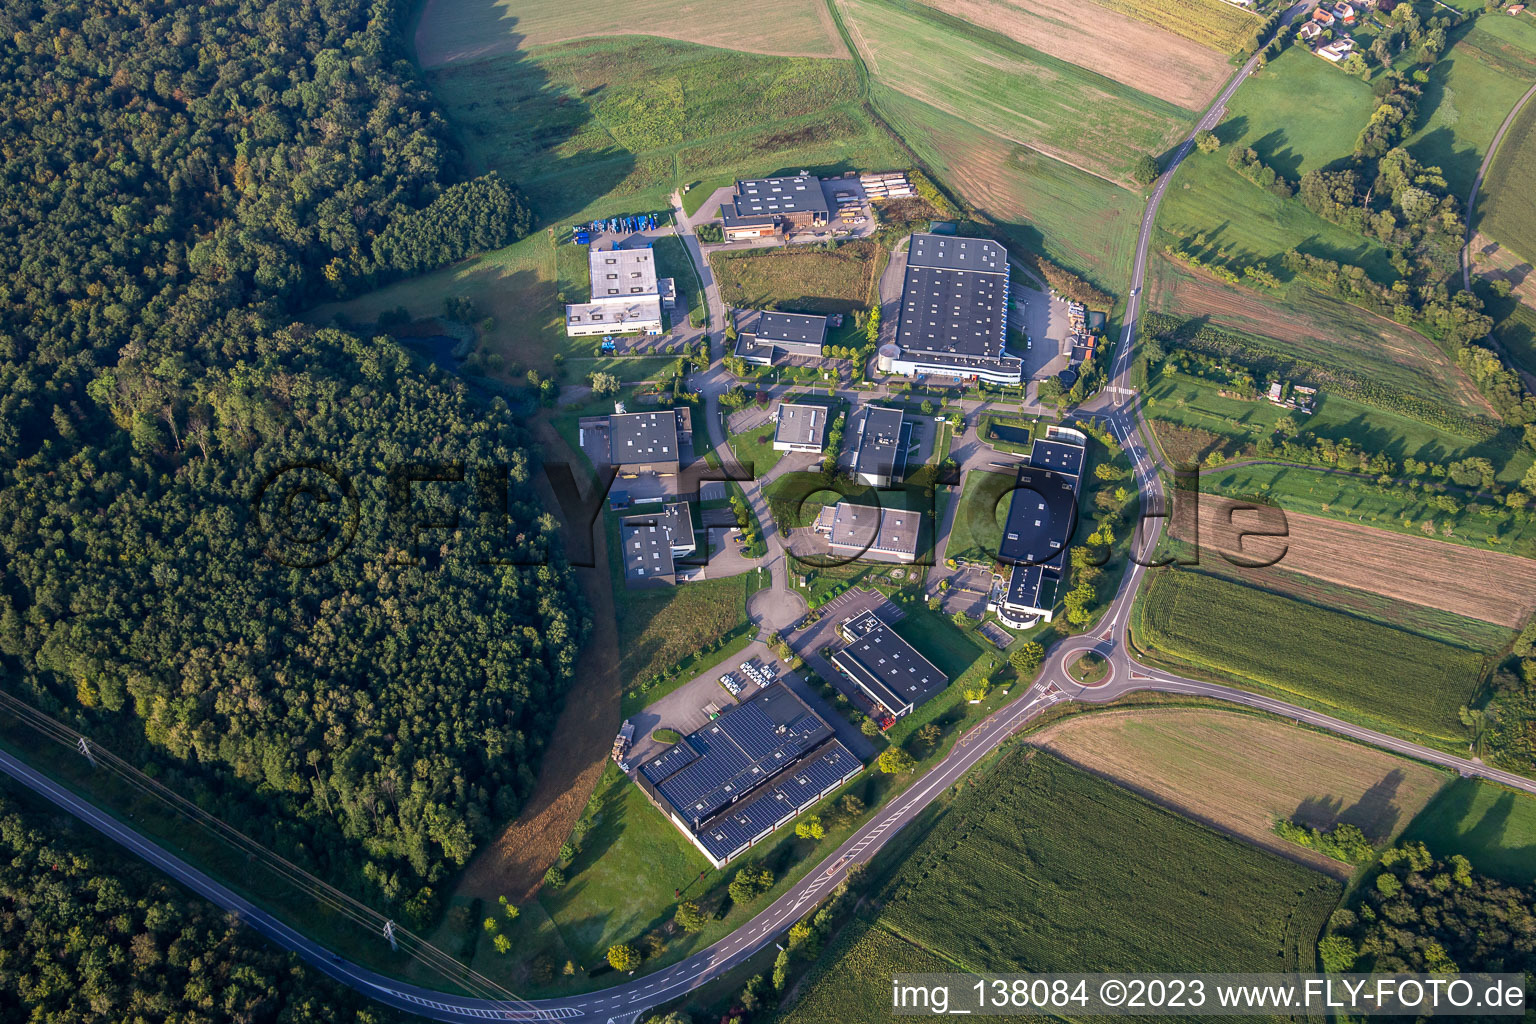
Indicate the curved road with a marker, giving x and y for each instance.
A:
(623, 1003)
(1477, 182)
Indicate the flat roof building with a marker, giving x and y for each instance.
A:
(1041, 519)
(800, 428)
(954, 311)
(881, 458)
(887, 670)
(626, 295)
(732, 782)
(645, 442)
(798, 200)
(764, 336)
(652, 543)
(870, 532)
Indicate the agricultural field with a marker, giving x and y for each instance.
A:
(1348, 666)
(458, 31)
(1185, 401)
(978, 527)
(1486, 585)
(1276, 111)
(801, 279)
(1039, 866)
(608, 126)
(1493, 827)
(1136, 53)
(1212, 23)
(1322, 328)
(1494, 262)
(1239, 773)
(1075, 218)
(1517, 334)
(1469, 93)
(1009, 89)
(1504, 211)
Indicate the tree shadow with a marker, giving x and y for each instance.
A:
(1375, 813)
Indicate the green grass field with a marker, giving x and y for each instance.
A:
(1193, 402)
(1037, 867)
(1493, 827)
(1349, 666)
(979, 520)
(1277, 112)
(1469, 93)
(800, 280)
(1517, 333)
(1077, 219)
(1010, 89)
(1208, 22)
(607, 126)
(1505, 212)
(450, 31)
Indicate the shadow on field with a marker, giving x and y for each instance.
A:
(1375, 813)
(510, 117)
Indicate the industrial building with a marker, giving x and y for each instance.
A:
(646, 442)
(1041, 519)
(881, 458)
(626, 295)
(954, 312)
(652, 544)
(764, 207)
(800, 428)
(762, 337)
(887, 670)
(870, 532)
(731, 783)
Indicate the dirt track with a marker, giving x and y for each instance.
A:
(1485, 585)
(513, 864)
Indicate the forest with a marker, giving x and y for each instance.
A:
(1423, 914)
(85, 938)
(178, 183)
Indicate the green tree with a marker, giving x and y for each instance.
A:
(1144, 171)
(1026, 658)
(810, 827)
(1206, 141)
(622, 957)
(689, 917)
(895, 761)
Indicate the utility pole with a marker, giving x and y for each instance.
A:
(85, 748)
(389, 933)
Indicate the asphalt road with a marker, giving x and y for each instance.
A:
(624, 1002)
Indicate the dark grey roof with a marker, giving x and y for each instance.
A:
(790, 329)
(651, 541)
(738, 827)
(802, 424)
(880, 449)
(890, 531)
(637, 437)
(1041, 518)
(954, 301)
(1057, 456)
(887, 666)
(737, 753)
(1031, 586)
(778, 196)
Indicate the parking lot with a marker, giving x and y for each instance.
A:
(1043, 319)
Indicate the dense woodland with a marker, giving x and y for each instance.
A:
(86, 938)
(1422, 914)
(178, 182)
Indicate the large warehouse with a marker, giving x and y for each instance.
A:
(954, 312)
(729, 784)
(869, 532)
(762, 337)
(764, 207)
(1041, 519)
(645, 442)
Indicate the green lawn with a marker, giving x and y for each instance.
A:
(1493, 827)
(1279, 111)
(979, 520)
(1009, 89)
(1077, 219)
(1039, 867)
(1348, 666)
(600, 127)
(755, 448)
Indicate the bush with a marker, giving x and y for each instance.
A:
(554, 878)
(690, 917)
(1144, 171)
(666, 735)
(623, 957)
(750, 882)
